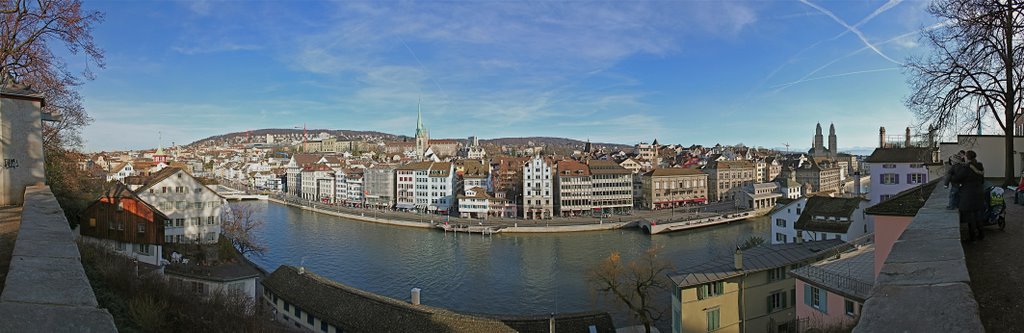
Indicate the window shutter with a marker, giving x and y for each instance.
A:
(824, 301)
(769, 308)
(792, 296)
(782, 295)
(807, 295)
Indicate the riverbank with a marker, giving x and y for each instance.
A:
(536, 227)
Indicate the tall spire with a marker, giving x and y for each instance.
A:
(419, 117)
(818, 130)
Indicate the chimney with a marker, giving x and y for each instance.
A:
(856, 183)
(738, 259)
(551, 323)
(907, 139)
(302, 270)
(415, 296)
(881, 137)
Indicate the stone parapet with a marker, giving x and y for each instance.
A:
(46, 288)
(924, 285)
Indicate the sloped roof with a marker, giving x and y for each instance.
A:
(355, 310)
(572, 168)
(828, 207)
(604, 167)
(758, 259)
(660, 172)
(743, 164)
(900, 155)
(905, 203)
(852, 275)
(121, 191)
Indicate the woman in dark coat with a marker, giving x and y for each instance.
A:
(971, 177)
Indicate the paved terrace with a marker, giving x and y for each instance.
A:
(996, 265)
(46, 289)
(924, 285)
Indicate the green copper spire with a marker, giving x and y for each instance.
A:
(419, 119)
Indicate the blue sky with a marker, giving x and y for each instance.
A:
(761, 73)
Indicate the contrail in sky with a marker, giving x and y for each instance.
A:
(852, 29)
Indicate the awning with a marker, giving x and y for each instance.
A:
(406, 206)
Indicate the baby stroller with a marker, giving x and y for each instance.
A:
(996, 212)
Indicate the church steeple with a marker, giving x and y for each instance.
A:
(419, 119)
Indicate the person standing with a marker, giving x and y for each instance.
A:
(954, 162)
(971, 177)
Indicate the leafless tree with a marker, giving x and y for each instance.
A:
(634, 284)
(976, 66)
(239, 225)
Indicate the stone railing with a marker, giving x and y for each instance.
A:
(46, 288)
(923, 285)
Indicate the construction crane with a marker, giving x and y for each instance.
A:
(787, 147)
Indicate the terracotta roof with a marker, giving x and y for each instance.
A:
(572, 168)
(673, 172)
(758, 259)
(355, 310)
(827, 207)
(120, 190)
(901, 155)
(607, 167)
(730, 165)
(905, 203)
(306, 159)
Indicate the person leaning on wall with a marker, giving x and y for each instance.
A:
(954, 188)
(971, 177)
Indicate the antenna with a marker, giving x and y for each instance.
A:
(787, 147)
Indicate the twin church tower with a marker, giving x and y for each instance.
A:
(818, 147)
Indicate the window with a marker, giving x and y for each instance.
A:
(815, 298)
(777, 301)
(179, 222)
(713, 317)
(209, 220)
(780, 222)
(776, 274)
(92, 222)
(915, 178)
(890, 178)
(298, 313)
(323, 326)
(889, 166)
(712, 289)
(142, 249)
(309, 319)
(885, 197)
(141, 227)
(848, 304)
(779, 237)
(286, 307)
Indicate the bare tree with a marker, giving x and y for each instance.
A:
(976, 66)
(634, 284)
(28, 31)
(239, 224)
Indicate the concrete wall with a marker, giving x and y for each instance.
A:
(21, 148)
(923, 286)
(990, 149)
(46, 288)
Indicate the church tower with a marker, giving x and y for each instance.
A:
(422, 135)
(833, 150)
(819, 143)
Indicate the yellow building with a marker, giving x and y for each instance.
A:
(750, 291)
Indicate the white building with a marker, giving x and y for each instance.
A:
(833, 218)
(894, 170)
(120, 172)
(538, 188)
(784, 221)
(194, 210)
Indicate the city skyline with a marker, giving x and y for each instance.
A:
(617, 73)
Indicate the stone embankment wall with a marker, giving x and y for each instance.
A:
(924, 285)
(46, 287)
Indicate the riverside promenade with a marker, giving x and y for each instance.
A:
(492, 225)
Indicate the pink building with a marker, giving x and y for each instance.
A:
(894, 215)
(830, 293)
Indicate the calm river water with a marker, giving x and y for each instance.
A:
(499, 274)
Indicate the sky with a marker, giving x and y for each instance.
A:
(761, 73)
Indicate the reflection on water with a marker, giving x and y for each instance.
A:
(499, 274)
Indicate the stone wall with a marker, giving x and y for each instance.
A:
(21, 147)
(923, 285)
(46, 288)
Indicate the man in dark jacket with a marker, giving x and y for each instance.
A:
(971, 177)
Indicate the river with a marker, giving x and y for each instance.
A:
(520, 274)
